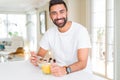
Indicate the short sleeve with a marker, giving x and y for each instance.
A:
(84, 39)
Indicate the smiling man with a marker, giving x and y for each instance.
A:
(68, 41)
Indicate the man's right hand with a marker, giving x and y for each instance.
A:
(33, 58)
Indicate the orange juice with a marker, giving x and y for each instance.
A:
(46, 68)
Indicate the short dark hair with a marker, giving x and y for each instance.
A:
(54, 2)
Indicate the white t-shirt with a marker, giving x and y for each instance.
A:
(64, 46)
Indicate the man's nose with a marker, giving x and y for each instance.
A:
(59, 15)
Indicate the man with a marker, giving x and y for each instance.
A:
(68, 41)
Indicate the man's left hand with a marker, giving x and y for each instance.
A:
(57, 70)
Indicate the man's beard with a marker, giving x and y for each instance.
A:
(58, 24)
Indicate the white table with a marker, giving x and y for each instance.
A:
(24, 70)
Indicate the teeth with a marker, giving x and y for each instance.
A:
(60, 21)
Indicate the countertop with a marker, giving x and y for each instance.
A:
(24, 70)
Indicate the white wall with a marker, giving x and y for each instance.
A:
(77, 11)
(117, 40)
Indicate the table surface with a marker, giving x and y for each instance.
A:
(24, 70)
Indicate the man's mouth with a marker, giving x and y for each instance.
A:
(59, 20)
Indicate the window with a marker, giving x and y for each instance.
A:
(102, 27)
(3, 28)
(12, 25)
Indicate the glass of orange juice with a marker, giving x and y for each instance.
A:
(45, 68)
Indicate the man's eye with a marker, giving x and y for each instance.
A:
(62, 11)
(53, 13)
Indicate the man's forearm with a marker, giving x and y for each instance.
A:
(41, 52)
(77, 66)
